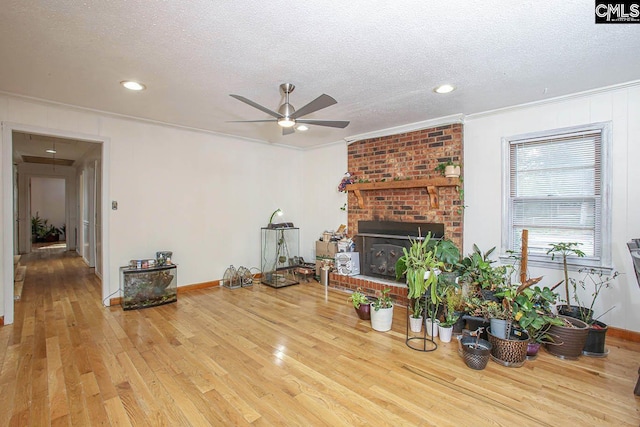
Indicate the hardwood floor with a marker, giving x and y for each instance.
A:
(263, 356)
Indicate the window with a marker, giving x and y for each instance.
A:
(556, 185)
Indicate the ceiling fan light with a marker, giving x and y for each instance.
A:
(286, 122)
(302, 128)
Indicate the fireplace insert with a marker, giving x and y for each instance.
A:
(381, 243)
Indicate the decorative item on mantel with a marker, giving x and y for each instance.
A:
(348, 178)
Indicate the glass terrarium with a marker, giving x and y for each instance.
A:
(279, 254)
(149, 287)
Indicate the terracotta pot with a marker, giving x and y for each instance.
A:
(569, 341)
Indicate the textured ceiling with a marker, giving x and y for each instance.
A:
(380, 60)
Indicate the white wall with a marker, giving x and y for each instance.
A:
(202, 196)
(47, 199)
(483, 194)
(323, 170)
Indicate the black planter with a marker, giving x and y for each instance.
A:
(489, 295)
(459, 325)
(595, 340)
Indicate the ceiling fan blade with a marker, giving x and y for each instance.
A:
(258, 106)
(330, 123)
(323, 101)
(287, 131)
(252, 121)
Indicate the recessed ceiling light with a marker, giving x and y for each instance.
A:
(131, 85)
(302, 128)
(444, 88)
(50, 151)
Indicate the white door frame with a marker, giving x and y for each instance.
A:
(7, 195)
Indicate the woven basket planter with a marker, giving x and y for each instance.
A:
(569, 342)
(511, 352)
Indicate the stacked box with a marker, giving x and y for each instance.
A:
(325, 253)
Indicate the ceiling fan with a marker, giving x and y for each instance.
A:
(287, 116)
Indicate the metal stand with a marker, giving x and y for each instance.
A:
(424, 343)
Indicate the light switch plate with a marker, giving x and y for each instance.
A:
(114, 205)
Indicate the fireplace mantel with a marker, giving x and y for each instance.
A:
(431, 184)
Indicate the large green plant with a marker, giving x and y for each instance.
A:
(415, 263)
(532, 311)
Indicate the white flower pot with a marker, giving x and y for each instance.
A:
(415, 324)
(445, 333)
(382, 319)
(432, 327)
(452, 171)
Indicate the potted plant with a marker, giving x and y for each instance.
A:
(533, 314)
(445, 328)
(597, 280)
(455, 303)
(421, 267)
(416, 319)
(566, 250)
(499, 318)
(475, 351)
(361, 304)
(449, 169)
(382, 311)
(477, 271)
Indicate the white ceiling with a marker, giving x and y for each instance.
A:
(379, 59)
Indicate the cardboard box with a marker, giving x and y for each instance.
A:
(326, 249)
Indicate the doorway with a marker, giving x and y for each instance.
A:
(91, 159)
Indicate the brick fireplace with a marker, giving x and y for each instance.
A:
(398, 158)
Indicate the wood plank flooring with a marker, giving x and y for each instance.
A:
(262, 356)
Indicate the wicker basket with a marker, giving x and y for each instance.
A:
(475, 358)
(511, 352)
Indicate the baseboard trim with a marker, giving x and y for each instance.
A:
(181, 289)
(624, 334)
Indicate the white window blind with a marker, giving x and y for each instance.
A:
(556, 191)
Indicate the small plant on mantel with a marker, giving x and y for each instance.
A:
(448, 169)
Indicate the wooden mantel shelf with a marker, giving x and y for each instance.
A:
(431, 184)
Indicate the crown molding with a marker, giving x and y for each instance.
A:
(576, 95)
(411, 127)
